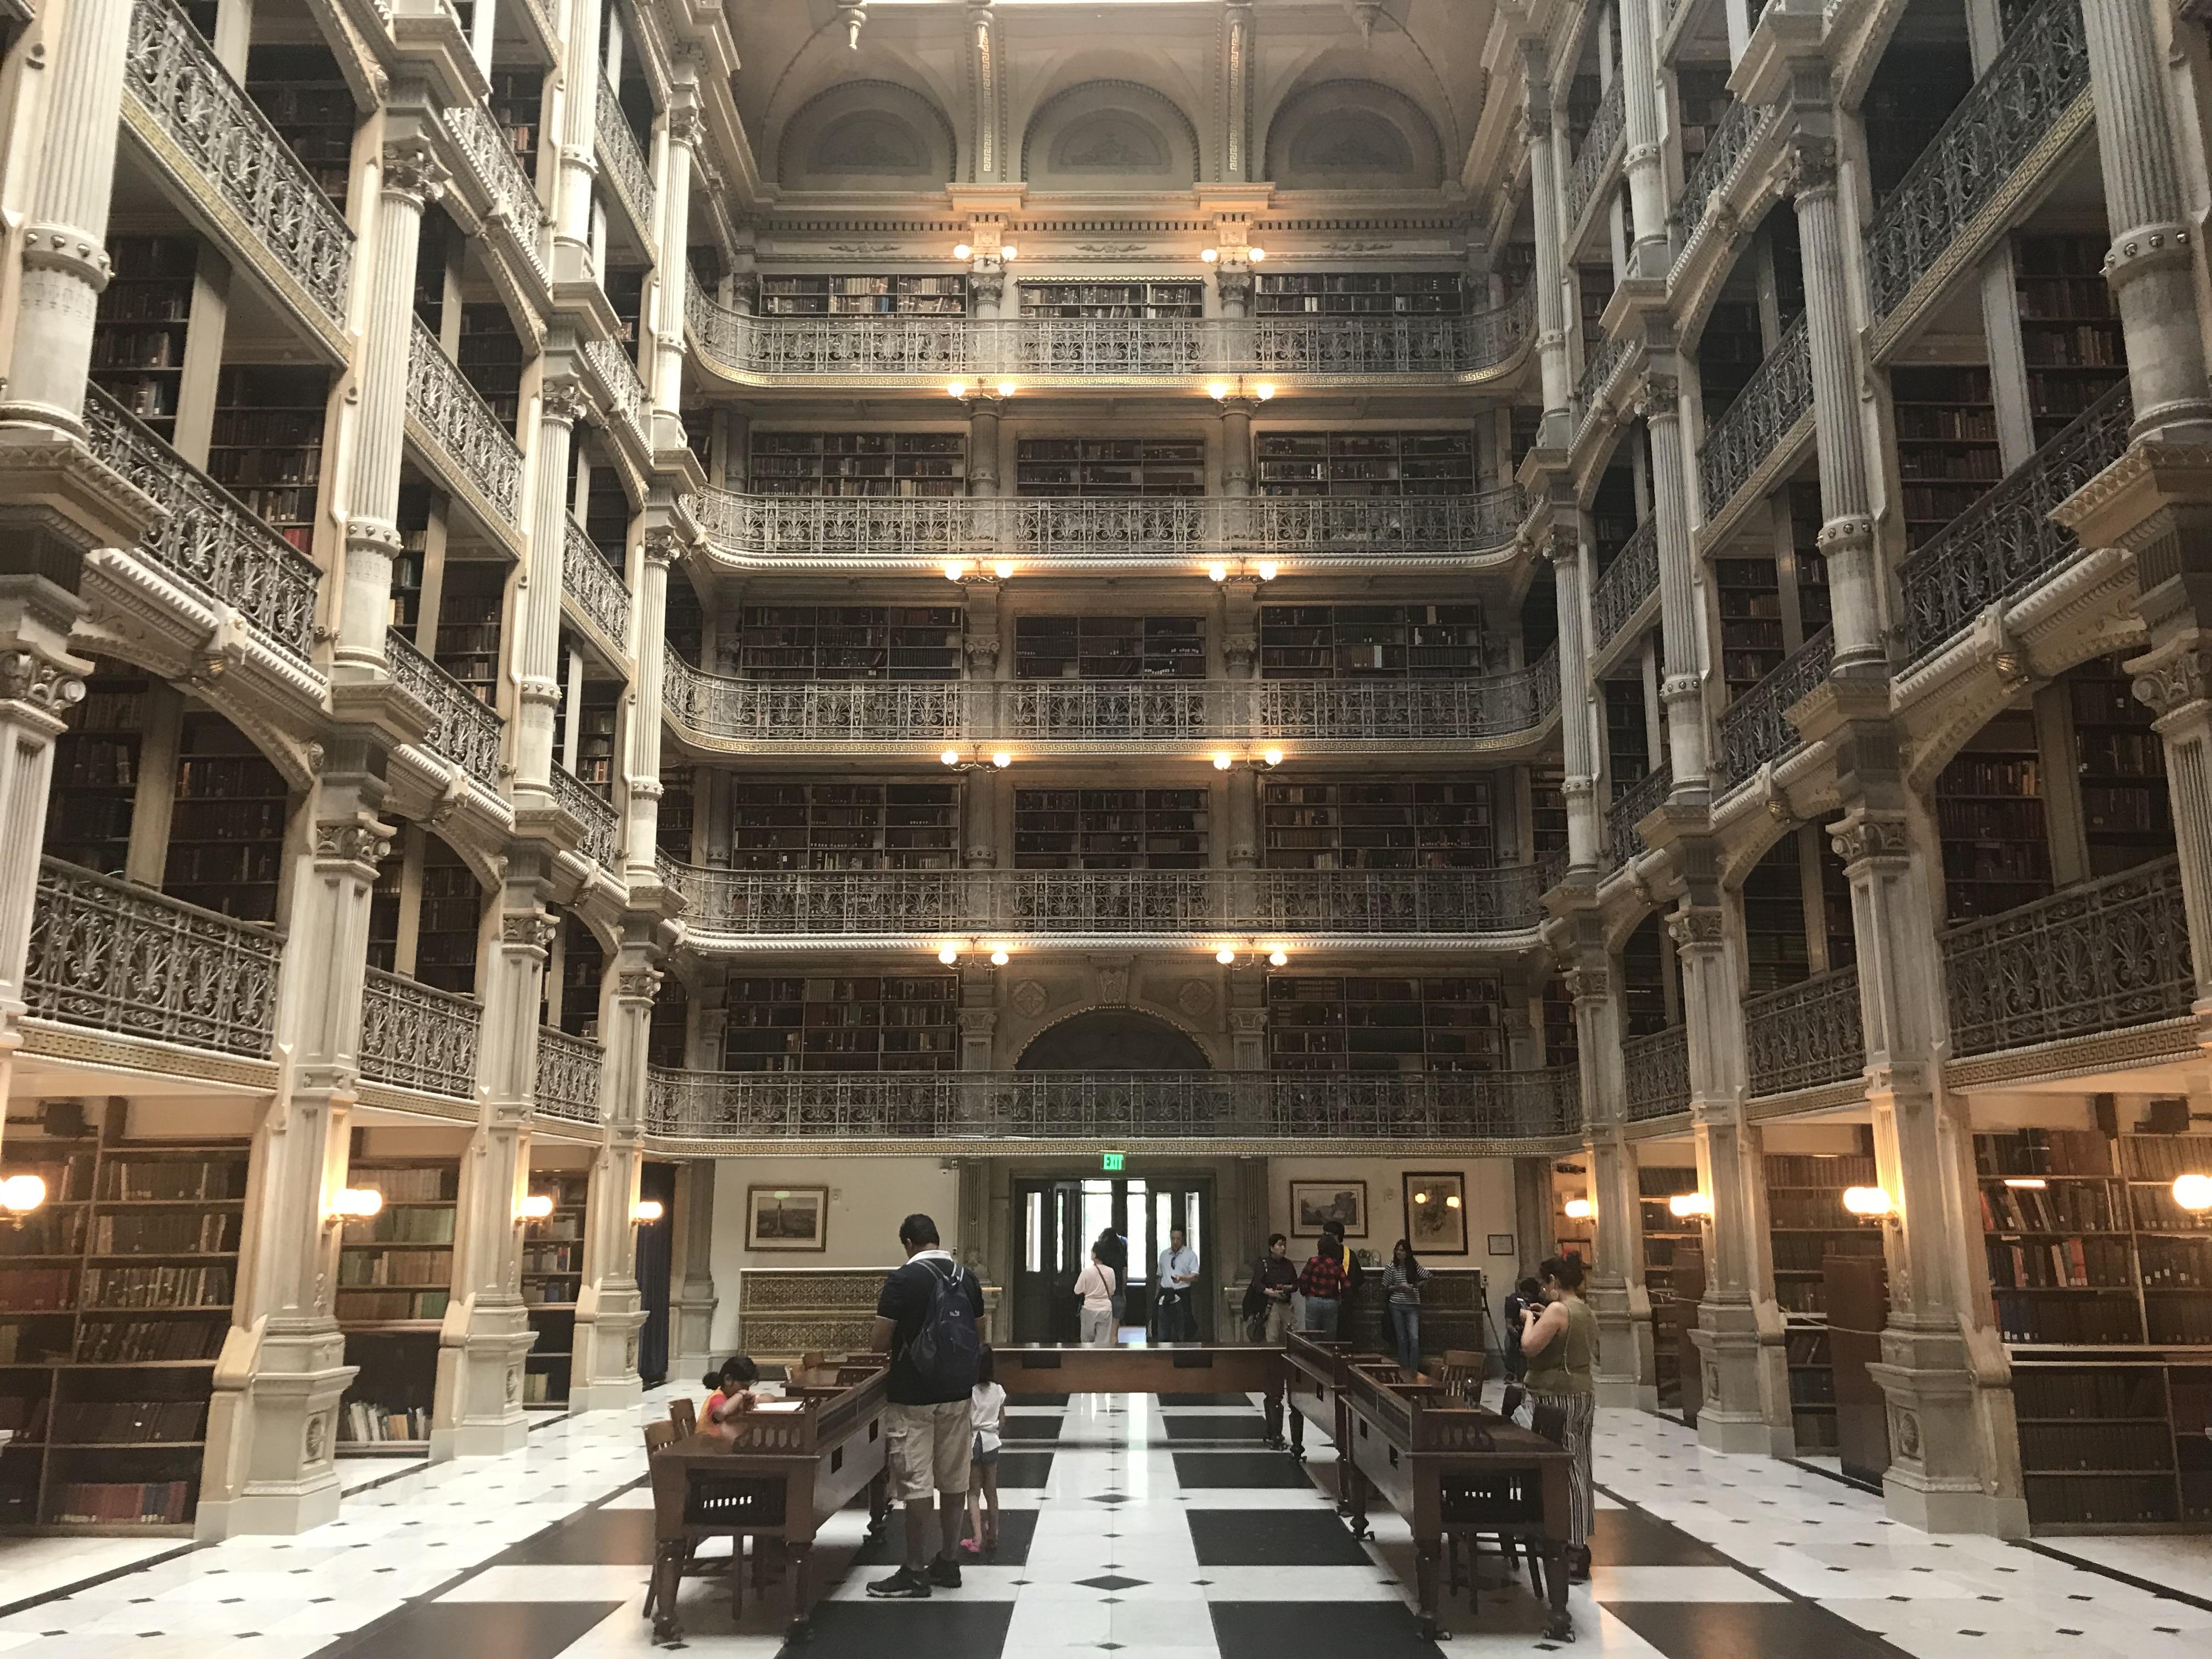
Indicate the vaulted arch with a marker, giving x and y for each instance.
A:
(1110, 135)
(866, 134)
(1352, 135)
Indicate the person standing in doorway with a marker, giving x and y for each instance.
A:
(1561, 1343)
(1322, 1283)
(1178, 1273)
(1401, 1292)
(1111, 1250)
(1096, 1284)
(927, 1319)
(1267, 1297)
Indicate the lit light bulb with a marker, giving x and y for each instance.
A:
(998, 958)
(1420, 1198)
(1219, 572)
(949, 955)
(1216, 389)
(1451, 1200)
(1002, 760)
(2027, 1183)
(1267, 569)
(19, 1194)
(1007, 388)
(1256, 255)
(1687, 1205)
(536, 1207)
(1279, 959)
(949, 756)
(1578, 1209)
(647, 1211)
(2193, 1192)
(1208, 255)
(1264, 391)
(1223, 760)
(1003, 568)
(1225, 956)
(1008, 250)
(958, 388)
(1273, 756)
(1866, 1200)
(955, 569)
(961, 251)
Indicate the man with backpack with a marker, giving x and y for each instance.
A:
(927, 1319)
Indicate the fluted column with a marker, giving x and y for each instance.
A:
(1647, 183)
(649, 651)
(1237, 412)
(610, 1311)
(1682, 692)
(572, 261)
(2174, 680)
(1550, 277)
(1616, 1292)
(691, 1274)
(683, 129)
(537, 650)
(987, 88)
(409, 178)
(1563, 549)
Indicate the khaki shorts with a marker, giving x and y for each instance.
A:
(929, 1449)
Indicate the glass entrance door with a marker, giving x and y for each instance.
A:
(1056, 1223)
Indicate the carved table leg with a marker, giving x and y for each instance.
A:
(1561, 1625)
(802, 1589)
(1425, 1576)
(667, 1578)
(879, 1505)
(1298, 1435)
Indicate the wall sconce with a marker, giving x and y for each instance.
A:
(1265, 761)
(1009, 252)
(1212, 255)
(1578, 1209)
(950, 954)
(1221, 391)
(2193, 1192)
(1266, 568)
(535, 1207)
(352, 1204)
(1867, 1202)
(1279, 959)
(19, 1194)
(1000, 759)
(1687, 1205)
(1226, 956)
(1004, 569)
(999, 958)
(646, 1211)
(962, 250)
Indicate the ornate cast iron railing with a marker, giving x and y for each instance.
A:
(172, 71)
(513, 198)
(595, 586)
(624, 158)
(1806, 1035)
(1288, 526)
(417, 1036)
(1725, 148)
(1777, 397)
(1631, 579)
(2003, 544)
(463, 729)
(1408, 903)
(2096, 957)
(1655, 1069)
(1357, 1107)
(209, 537)
(1631, 806)
(1755, 728)
(567, 1075)
(1600, 149)
(460, 422)
(2044, 68)
(1597, 374)
(601, 823)
(119, 957)
(618, 372)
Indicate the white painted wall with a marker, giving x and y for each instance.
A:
(1489, 1207)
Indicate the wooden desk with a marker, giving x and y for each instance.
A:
(1313, 1386)
(792, 1464)
(1451, 1467)
(1158, 1368)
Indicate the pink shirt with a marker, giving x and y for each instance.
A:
(1095, 1285)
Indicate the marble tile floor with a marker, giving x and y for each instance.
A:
(1156, 1528)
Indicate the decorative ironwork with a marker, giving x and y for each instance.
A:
(1806, 1035)
(463, 729)
(1597, 374)
(1421, 1107)
(417, 1036)
(1394, 901)
(119, 957)
(624, 160)
(1631, 579)
(1600, 151)
(173, 71)
(2042, 69)
(1725, 148)
(448, 408)
(567, 1075)
(1655, 1072)
(2096, 957)
(208, 537)
(825, 902)
(617, 372)
(1778, 395)
(513, 198)
(595, 584)
(1632, 804)
(1755, 728)
(2006, 542)
(601, 825)
(1294, 524)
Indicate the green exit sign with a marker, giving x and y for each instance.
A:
(1111, 1162)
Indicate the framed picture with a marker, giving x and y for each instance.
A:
(1315, 1204)
(1435, 1212)
(1501, 1244)
(786, 1218)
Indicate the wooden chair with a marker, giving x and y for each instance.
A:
(1462, 1371)
(685, 1417)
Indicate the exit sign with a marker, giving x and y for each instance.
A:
(1111, 1162)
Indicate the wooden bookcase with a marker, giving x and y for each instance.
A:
(395, 1279)
(490, 359)
(449, 922)
(1989, 808)
(304, 94)
(803, 824)
(1357, 294)
(593, 762)
(1627, 738)
(892, 1023)
(518, 108)
(1645, 968)
(1729, 352)
(1594, 293)
(552, 1277)
(1576, 1237)
(1354, 1023)
(841, 296)
(114, 1299)
(2068, 328)
(384, 901)
(583, 974)
(1109, 647)
(860, 463)
(145, 311)
(1947, 444)
(1908, 100)
(2126, 809)
(1775, 947)
(1662, 1230)
(1364, 463)
(1749, 592)
(1562, 1040)
(1809, 1224)
(1372, 641)
(668, 1035)
(95, 779)
(470, 613)
(1805, 553)
(1701, 104)
(267, 444)
(1111, 828)
(678, 812)
(1109, 467)
(1150, 300)
(849, 642)
(227, 828)
(1406, 824)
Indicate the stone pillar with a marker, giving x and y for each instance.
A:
(691, 1274)
(1615, 1293)
(573, 258)
(987, 284)
(1648, 255)
(1683, 693)
(272, 1424)
(536, 651)
(1243, 787)
(1232, 285)
(1564, 548)
(986, 84)
(411, 178)
(648, 649)
(2175, 681)
(1550, 277)
(983, 409)
(1237, 412)
(683, 129)
(1533, 1236)
(610, 1311)
(1240, 627)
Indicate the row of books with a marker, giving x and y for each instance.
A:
(2130, 754)
(2060, 1263)
(426, 1185)
(2161, 1157)
(1810, 1209)
(2083, 346)
(378, 1307)
(112, 1502)
(396, 1268)
(408, 1224)
(134, 1421)
(113, 1342)
(93, 764)
(364, 1423)
(1803, 1252)
(2101, 1393)
(157, 346)
(2100, 1500)
(2183, 1321)
(2176, 1263)
(36, 1289)
(209, 1178)
(165, 1232)
(553, 1259)
(2044, 1151)
(2071, 1207)
(2145, 1446)
(2089, 1320)
(157, 1287)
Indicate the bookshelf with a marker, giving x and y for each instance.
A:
(1988, 810)
(1111, 828)
(1594, 292)
(114, 1299)
(2125, 808)
(593, 762)
(1357, 294)
(267, 444)
(668, 1034)
(844, 296)
(518, 108)
(1361, 1024)
(1776, 951)
(304, 94)
(1109, 467)
(850, 642)
(1836, 906)
(1109, 647)
(226, 848)
(679, 810)
(1547, 808)
(1562, 1041)
(1627, 736)
(808, 825)
(384, 901)
(2068, 331)
(95, 777)
(470, 609)
(1749, 593)
(1644, 969)
(1701, 104)
(1364, 463)
(1575, 1236)
(1372, 641)
(1406, 824)
(686, 625)
(395, 1279)
(1730, 352)
(491, 358)
(138, 338)
(1662, 1230)
(894, 1023)
(1149, 301)
(449, 919)
(1808, 1225)
(1811, 564)
(860, 463)
(552, 1277)
(1906, 104)
(1947, 444)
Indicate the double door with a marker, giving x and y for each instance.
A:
(1056, 1220)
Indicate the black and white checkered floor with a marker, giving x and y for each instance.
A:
(1143, 1527)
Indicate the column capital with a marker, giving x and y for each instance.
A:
(528, 930)
(1868, 835)
(1659, 398)
(1696, 929)
(412, 171)
(1587, 981)
(686, 126)
(357, 840)
(664, 545)
(1808, 164)
(562, 398)
(2174, 675)
(48, 686)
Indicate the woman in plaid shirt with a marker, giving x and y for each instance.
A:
(1322, 1283)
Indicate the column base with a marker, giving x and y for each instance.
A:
(1953, 1509)
(273, 1438)
(479, 1410)
(1746, 1404)
(1626, 1372)
(603, 1364)
(616, 1395)
(1621, 1393)
(1954, 1446)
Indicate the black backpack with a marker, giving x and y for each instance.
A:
(946, 1352)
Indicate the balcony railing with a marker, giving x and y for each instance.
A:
(1600, 150)
(567, 1075)
(602, 825)
(2044, 68)
(595, 586)
(119, 957)
(1725, 148)
(1597, 374)
(2006, 542)
(719, 708)
(859, 903)
(463, 729)
(1631, 806)
(939, 348)
(1631, 579)
(209, 537)
(1778, 395)
(1755, 728)
(625, 160)
(479, 448)
(618, 372)
(1416, 1107)
(513, 198)
(244, 162)
(1805, 1035)
(417, 1036)
(2096, 957)
(1656, 1071)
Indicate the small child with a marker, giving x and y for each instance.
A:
(733, 1389)
(986, 1415)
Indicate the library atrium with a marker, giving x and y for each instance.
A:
(639, 637)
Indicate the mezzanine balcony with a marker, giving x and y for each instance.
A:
(469, 447)
(1655, 1072)
(1623, 842)
(1757, 435)
(568, 1076)
(623, 164)
(1628, 590)
(463, 729)
(1595, 160)
(417, 1038)
(1755, 729)
(1805, 1035)
(594, 591)
(598, 824)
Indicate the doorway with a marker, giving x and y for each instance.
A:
(1057, 1219)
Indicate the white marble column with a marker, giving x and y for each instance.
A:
(1682, 693)
(2174, 680)
(983, 410)
(684, 130)
(691, 1274)
(1237, 412)
(574, 260)
(609, 1312)
(1564, 548)
(536, 653)
(649, 650)
(987, 90)
(1648, 253)
(1616, 1294)
(1537, 124)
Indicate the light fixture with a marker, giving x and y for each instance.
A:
(1866, 1200)
(999, 958)
(1273, 756)
(955, 569)
(949, 756)
(1217, 571)
(1451, 1200)
(1216, 390)
(1256, 255)
(1007, 388)
(1578, 1209)
(535, 1207)
(1003, 568)
(19, 1194)
(352, 1204)
(949, 955)
(958, 388)
(1223, 760)
(1208, 255)
(1687, 1205)
(1279, 959)
(962, 250)
(1002, 760)
(1221, 391)
(1420, 1198)
(1225, 955)
(646, 1211)
(1008, 250)
(1264, 391)
(1267, 569)
(2027, 1183)
(2193, 1192)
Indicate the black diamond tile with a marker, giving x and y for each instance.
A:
(1020, 1470)
(1110, 1497)
(1273, 1538)
(1112, 1581)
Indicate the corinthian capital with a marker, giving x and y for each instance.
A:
(412, 169)
(1808, 163)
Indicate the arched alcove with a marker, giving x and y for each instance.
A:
(1110, 135)
(866, 134)
(1352, 135)
(1112, 1040)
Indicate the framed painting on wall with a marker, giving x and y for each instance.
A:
(1435, 1212)
(1315, 1204)
(786, 1218)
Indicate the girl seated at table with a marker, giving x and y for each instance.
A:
(735, 1388)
